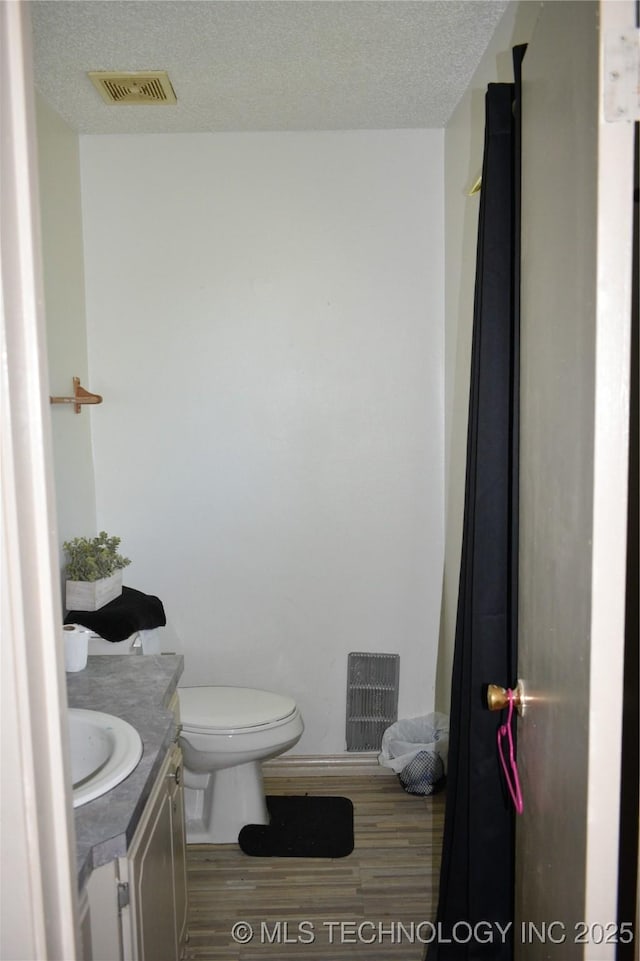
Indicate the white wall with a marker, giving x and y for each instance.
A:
(61, 217)
(464, 141)
(265, 322)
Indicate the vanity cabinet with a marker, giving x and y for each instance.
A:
(154, 920)
(138, 903)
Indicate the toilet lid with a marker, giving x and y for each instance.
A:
(229, 708)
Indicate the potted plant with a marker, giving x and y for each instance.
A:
(94, 571)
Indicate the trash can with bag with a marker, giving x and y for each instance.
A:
(416, 749)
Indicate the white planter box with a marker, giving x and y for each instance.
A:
(92, 595)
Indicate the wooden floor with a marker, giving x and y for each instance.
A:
(377, 903)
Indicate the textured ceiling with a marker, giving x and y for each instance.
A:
(241, 65)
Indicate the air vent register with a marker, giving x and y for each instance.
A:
(149, 87)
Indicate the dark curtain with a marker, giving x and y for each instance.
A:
(477, 872)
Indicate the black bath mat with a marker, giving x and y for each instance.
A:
(301, 827)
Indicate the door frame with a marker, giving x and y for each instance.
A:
(39, 898)
(610, 487)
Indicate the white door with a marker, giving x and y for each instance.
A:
(576, 278)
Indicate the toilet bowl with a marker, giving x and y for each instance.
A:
(226, 733)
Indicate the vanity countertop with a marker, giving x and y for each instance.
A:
(137, 689)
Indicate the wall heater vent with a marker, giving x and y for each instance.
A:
(372, 698)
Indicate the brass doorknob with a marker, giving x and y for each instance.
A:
(498, 698)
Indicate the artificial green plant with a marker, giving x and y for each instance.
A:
(90, 559)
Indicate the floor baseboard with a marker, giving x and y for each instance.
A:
(326, 765)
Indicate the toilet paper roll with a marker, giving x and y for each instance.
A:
(76, 647)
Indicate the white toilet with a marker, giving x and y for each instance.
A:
(226, 732)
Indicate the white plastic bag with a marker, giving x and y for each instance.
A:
(405, 739)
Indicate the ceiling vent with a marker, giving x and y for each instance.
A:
(149, 87)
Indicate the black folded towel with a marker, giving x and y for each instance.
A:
(132, 611)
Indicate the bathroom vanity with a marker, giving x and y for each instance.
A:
(131, 855)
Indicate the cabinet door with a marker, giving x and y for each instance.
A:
(176, 793)
(151, 878)
(110, 933)
(84, 924)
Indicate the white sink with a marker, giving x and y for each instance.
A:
(104, 751)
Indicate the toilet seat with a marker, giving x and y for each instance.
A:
(225, 710)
